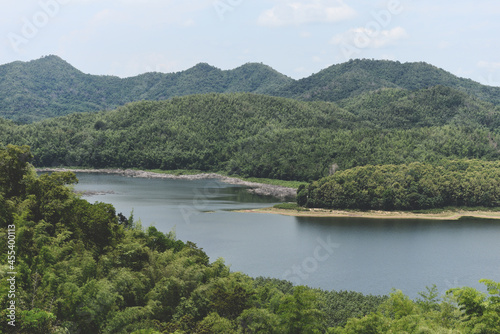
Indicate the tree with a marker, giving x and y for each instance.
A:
(299, 312)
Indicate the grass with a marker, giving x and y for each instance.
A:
(283, 183)
(290, 206)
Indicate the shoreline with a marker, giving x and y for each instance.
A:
(445, 215)
(263, 189)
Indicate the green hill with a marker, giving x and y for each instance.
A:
(264, 136)
(358, 76)
(50, 87)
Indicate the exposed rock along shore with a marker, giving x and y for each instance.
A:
(254, 187)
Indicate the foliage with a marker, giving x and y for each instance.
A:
(358, 76)
(266, 137)
(288, 206)
(50, 87)
(84, 269)
(414, 186)
(476, 313)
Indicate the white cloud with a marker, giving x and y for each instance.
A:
(362, 38)
(301, 12)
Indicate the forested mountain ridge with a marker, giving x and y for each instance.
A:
(358, 76)
(263, 136)
(50, 87)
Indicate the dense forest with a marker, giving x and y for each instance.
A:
(83, 268)
(271, 137)
(457, 183)
(359, 76)
(50, 87)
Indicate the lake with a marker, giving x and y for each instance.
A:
(371, 256)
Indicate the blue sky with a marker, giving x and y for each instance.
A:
(297, 38)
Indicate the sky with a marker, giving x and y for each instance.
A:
(297, 38)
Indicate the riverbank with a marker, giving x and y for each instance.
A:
(263, 189)
(445, 215)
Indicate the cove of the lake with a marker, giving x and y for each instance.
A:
(371, 256)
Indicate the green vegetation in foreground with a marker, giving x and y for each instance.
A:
(416, 186)
(83, 268)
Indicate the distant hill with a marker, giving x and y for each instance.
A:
(50, 87)
(264, 136)
(355, 77)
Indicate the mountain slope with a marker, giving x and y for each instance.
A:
(264, 136)
(355, 77)
(50, 87)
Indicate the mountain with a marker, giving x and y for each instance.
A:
(49, 87)
(355, 77)
(272, 137)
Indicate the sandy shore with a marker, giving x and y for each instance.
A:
(446, 215)
(253, 187)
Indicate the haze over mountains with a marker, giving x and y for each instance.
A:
(50, 87)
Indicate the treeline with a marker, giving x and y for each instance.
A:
(82, 268)
(457, 183)
(262, 136)
(477, 312)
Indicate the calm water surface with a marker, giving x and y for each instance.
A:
(366, 255)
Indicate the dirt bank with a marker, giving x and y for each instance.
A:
(446, 215)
